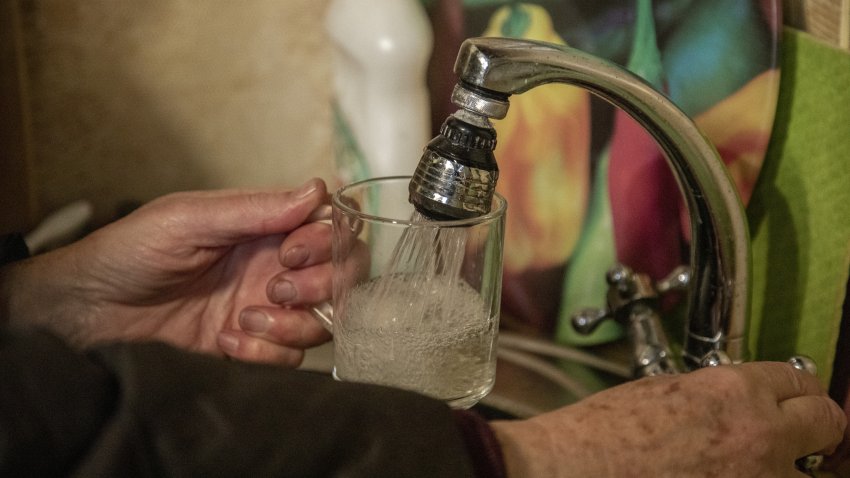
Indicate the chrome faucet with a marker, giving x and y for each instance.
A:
(457, 175)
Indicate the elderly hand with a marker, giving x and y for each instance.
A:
(221, 272)
(753, 419)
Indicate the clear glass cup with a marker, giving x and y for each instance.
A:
(415, 302)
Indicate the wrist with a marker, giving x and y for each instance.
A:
(39, 292)
(526, 449)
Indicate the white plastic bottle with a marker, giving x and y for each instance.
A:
(381, 50)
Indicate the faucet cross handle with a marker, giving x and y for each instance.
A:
(811, 463)
(677, 280)
(587, 320)
(804, 363)
(626, 287)
(633, 302)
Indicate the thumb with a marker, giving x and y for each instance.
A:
(236, 216)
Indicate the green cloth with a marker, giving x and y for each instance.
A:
(800, 210)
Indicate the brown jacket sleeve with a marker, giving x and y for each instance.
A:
(152, 410)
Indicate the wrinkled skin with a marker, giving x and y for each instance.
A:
(749, 420)
(222, 272)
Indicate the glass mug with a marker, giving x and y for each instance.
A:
(415, 302)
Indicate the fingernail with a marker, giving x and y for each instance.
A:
(321, 213)
(228, 343)
(254, 321)
(295, 256)
(283, 291)
(308, 188)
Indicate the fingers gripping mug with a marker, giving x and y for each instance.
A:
(415, 302)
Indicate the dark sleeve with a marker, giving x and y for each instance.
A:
(12, 248)
(152, 410)
(482, 444)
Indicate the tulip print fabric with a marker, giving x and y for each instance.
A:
(586, 186)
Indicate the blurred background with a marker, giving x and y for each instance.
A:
(117, 102)
(120, 101)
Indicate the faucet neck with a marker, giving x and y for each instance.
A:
(492, 69)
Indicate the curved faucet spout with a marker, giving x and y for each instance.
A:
(491, 69)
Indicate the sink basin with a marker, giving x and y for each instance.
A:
(533, 376)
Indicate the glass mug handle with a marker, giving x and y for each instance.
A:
(324, 313)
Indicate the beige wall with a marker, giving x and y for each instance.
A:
(120, 101)
(126, 100)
